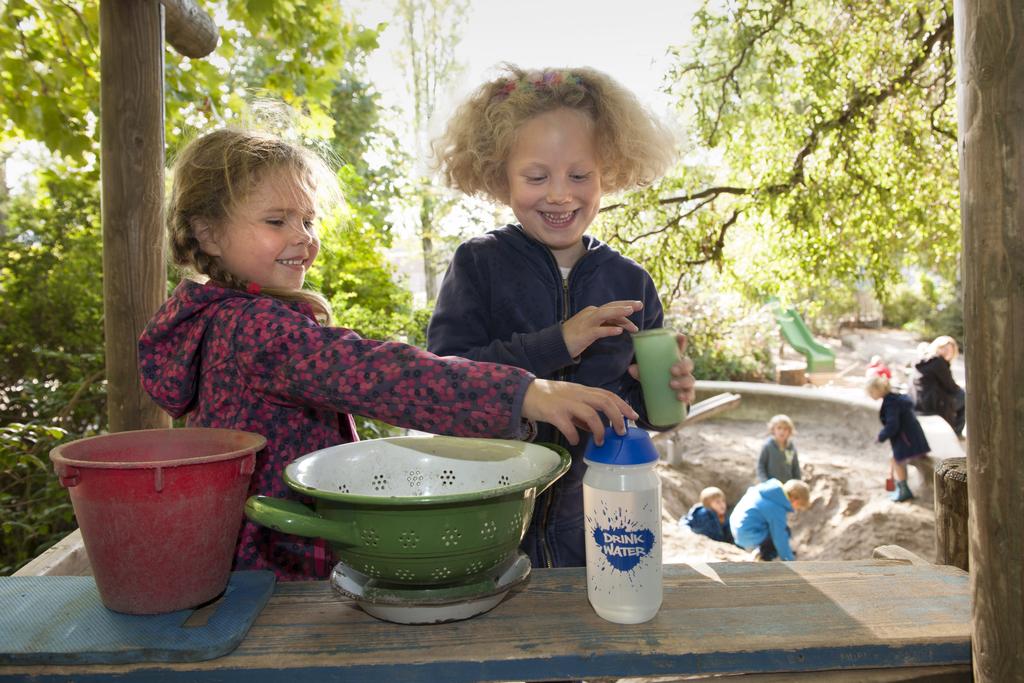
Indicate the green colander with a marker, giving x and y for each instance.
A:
(417, 510)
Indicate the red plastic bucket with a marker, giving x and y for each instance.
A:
(159, 511)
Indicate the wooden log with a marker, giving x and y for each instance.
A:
(990, 99)
(698, 412)
(952, 540)
(711, 407)
(132, 179)
(190, 30)
(791, 374)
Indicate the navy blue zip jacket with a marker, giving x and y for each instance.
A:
(503, 300)
(901, 427)
(703, 521)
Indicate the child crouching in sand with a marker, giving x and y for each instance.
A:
(708, 517)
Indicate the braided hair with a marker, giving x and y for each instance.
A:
(217, 171)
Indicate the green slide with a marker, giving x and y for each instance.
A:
(819, 358)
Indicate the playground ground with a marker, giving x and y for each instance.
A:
(850, 513)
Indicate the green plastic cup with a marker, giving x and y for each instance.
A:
(656, 352)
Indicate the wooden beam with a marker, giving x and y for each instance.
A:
(190, 30)
(952, 540)
(132, 180)
(897, 553)
(65, 558)
(990, 98)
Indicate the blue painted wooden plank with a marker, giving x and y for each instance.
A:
(558, 668)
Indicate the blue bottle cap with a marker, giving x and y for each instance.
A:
(634, 448)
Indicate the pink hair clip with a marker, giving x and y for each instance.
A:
(505, 90)
(537, 80)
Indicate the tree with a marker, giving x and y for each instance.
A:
(430, 36)
(823, 153)
(305, 53)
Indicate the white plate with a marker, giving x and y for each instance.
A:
(402, 605)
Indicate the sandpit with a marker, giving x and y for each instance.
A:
(850, 511)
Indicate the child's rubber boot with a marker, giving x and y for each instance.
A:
(902, 492)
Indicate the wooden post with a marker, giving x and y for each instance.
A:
(990, 97)
(132, 177)
(951, 537)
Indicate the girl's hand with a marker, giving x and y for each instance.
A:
(682, 379)
(568, 406)
(593, 323)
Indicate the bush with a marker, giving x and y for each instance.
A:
(727, 340)
(35, 510)
(929, 310)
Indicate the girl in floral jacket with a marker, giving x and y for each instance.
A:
(250, 349)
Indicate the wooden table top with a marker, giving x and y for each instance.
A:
(716, 618)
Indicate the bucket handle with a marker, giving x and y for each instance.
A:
(69, 476)
(292, 517)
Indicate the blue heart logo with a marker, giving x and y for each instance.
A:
(624, 549)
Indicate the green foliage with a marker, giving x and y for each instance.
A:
(52, 300)
(49, 74)
(905, 304)
(727, 339)
(823, 153)
(35, 510)
(931, 309)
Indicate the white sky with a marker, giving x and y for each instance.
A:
(627, 39)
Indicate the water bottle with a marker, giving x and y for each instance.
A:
(622, 506)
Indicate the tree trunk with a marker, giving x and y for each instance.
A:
(132, 178)
(951, 538)
(990, 95)
(4, 156)
(427, 241)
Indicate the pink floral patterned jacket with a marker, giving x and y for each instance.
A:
(227, 358)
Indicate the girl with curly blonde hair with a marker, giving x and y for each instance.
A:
(541, 294)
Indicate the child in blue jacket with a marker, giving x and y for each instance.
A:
(901, 429)
(708, 516)
(759, 519)
(541, 294)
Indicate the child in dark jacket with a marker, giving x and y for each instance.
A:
(936, 390)
(901, 429)
(542, 295)
(245, 350)
(708, 516)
